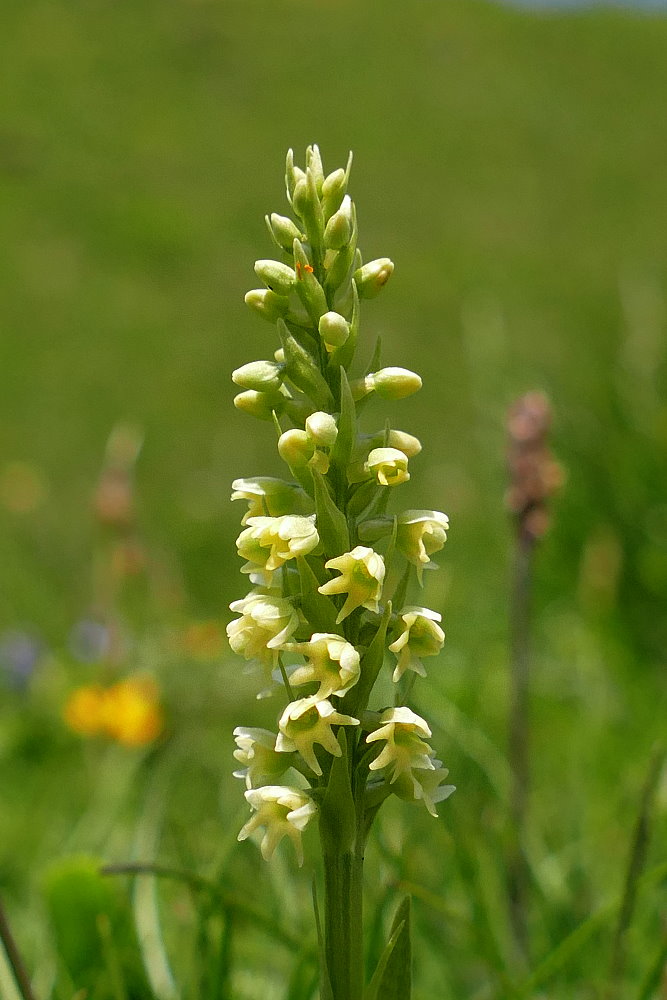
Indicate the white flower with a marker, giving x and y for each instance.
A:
(269, 542)
(362, 574)
(388, 465)
(256, 750)
(419, 534)
(332, 663)
(405, 749)
(284, 812)
(422, 636)
(425, 786)
(308, 721)
(266, 623)
(268, 496)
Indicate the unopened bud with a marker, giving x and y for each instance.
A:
(308, 287)
(279, 278)
(295, 448)
(394, 383)
(334, 330)
(293, 174)
(283, 230)
(334, 189)
(314, 163)
(371, 278)
(407, 443)
(279, 355)
(259, 404)
(265, 302)
(307, 206)
(262, 376)
(321, 428)
(338, 231)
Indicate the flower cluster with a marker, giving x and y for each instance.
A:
(319, 546)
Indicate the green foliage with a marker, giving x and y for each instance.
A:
(91, 923)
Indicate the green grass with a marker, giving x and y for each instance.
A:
(512, 165)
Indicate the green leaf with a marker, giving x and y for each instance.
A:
(326, 992)
(302, 370)
(371, 663)
(344, 355)
(347, 426)
(320, 611)
(392, 979)
(331, 522)
(375, 360)
(338, 815)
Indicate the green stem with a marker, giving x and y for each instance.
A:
(343, 908)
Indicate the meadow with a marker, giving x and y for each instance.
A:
(512, 165)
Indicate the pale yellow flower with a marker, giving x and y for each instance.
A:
(266, 623)
(283, 812)
(270, 497)
(269, 542)
(405, 748)
(362, 574)
(425, 786)
(419, 534)
(306, 722)
(388, 465)
(421, 636)
(256, 751)
(332, 663)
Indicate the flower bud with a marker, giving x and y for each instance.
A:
(408, 443)
(259, 404)
(389, 466)
(279, 355)
(308, 287)
(293, 174)
(339, 227)
(283, 230)
(277, 277)
(307, 206)
(394, 383)
(321, 428)
(295, 448)
(373, 276)
(314, 163)
(265, 302)
(334, 188)
(334, 330)
(262, 376)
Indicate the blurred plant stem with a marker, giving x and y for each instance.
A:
(14, 957)
(519, 733)
(635, 866)
(534, 477)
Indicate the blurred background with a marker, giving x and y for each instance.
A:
(512, 164)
